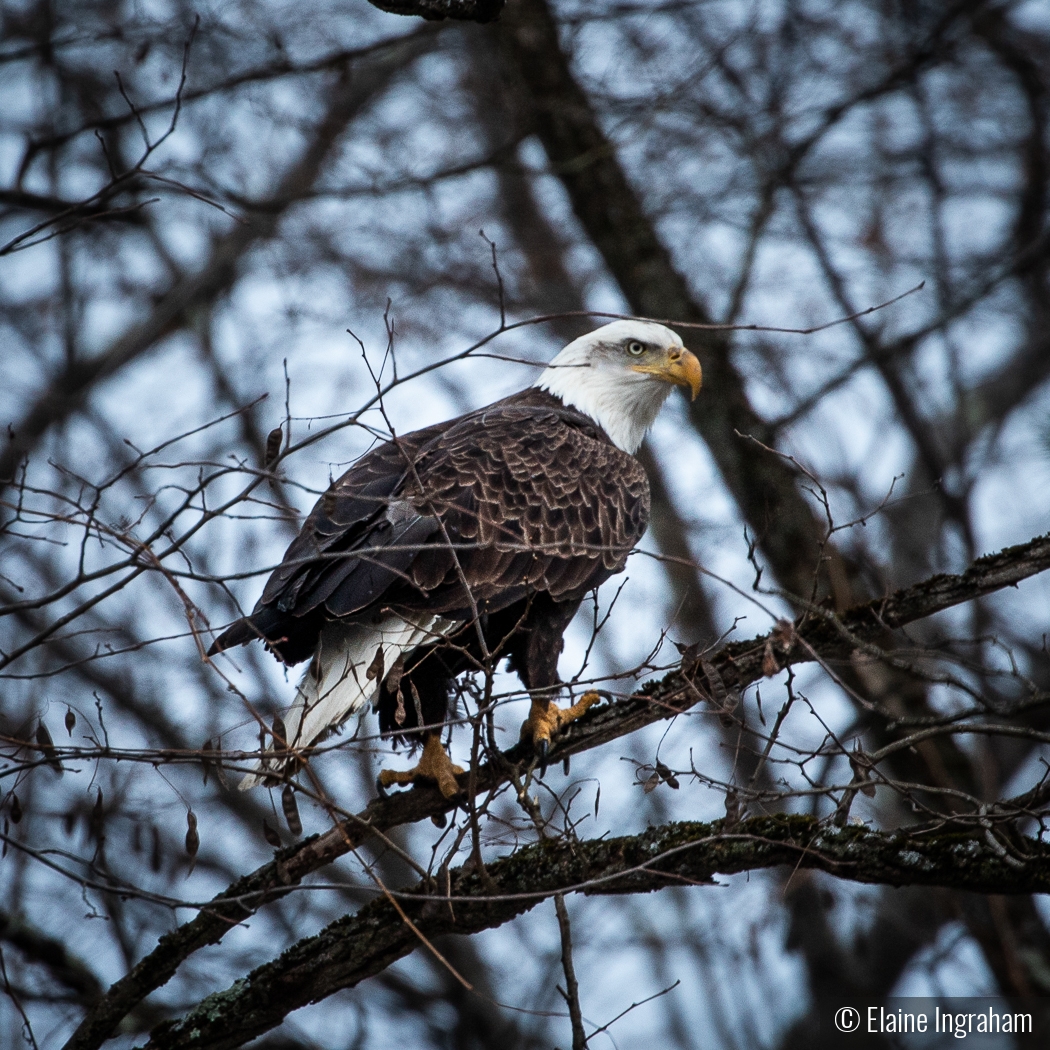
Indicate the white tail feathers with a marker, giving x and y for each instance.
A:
(344, 677)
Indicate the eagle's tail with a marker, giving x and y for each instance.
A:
(344, 676)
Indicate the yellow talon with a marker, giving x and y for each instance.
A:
(546, 719)
(434, 764)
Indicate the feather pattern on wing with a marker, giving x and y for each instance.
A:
(522, 497)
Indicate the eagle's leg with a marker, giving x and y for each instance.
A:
(411, 701)
(546, 718)
(434, 764)
(534, 652)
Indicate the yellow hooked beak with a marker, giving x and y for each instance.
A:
(678, 366)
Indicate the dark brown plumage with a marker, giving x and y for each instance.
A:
(468, 542)
(528, 497)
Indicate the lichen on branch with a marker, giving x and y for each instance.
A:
(359, 946)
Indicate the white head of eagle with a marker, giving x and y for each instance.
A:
(477, 536)
(620, 376)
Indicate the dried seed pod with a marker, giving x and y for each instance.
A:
(71, 720)
(193, 840)
(651, 783)
(291, 811)
(715, 683)
(416, 703)
(723, 700)
(667, 776)
(397, 672)
(280, 734)
(375, 668)
(16, 809)
(47, 747)
(271, 836)
(273, 447)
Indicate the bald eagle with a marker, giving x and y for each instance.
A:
(464, 543)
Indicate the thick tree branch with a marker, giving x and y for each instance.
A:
(738, 665)
(359, 946)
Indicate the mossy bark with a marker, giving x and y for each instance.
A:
(359, 946)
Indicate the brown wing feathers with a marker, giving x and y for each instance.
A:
(521, 497)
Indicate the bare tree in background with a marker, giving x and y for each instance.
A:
(826, 675)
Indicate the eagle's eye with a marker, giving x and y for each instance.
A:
(635, 349)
